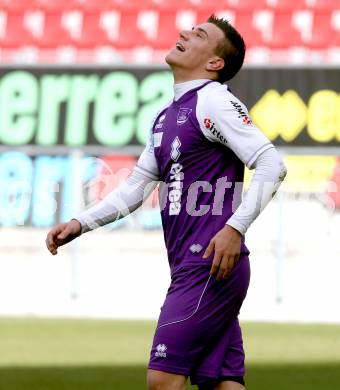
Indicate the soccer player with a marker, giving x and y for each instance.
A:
(198, 147)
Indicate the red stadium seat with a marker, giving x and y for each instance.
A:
(55, 34)
(252, 37)
(170, 24)
(323, 5)
(130, 34)
(323, 35)
(168, 33)
(287, 5)
(204, 13)
(209, 5)
(56, 5)
(122, 30)
(133, 5)
(222, 12)
(96, 5)
(245, 25)
(283, 38)
(172, 5)
(92, 32)
(247, 5)
(284, 35)
(16, 33)
(17, 5)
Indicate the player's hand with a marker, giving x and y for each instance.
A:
(226, 246)
(62, 234)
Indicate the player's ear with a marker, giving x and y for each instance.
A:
(215, 64)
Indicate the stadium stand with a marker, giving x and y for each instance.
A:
(282, 26)
(44, 27)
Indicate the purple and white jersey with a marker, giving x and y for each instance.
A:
(198, 147)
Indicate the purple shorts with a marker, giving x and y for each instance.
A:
(198, 333)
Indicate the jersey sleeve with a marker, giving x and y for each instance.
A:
(147, 163)
(223, 118)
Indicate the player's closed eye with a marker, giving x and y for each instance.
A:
(197, 32)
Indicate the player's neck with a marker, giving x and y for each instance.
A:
(182, 75)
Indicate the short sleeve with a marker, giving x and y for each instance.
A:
(223, 118)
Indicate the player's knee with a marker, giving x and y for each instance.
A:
(158, 380)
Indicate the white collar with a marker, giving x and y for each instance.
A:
(181, 88)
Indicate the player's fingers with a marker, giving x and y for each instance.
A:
(52, 240)
(208, 252)
(64, 233)
(223, 267)
(51, 246)
(216, 263)
(50, 243)
(230, 265)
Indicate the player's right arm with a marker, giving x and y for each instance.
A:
(117, 204)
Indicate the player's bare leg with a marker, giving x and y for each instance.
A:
(229, 385)
(159, 380)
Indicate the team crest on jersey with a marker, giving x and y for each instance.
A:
(183, 115)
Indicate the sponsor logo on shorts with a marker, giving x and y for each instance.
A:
(183, 115)
(161, 348)
(195, 248)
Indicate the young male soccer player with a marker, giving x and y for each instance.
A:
(199, 144)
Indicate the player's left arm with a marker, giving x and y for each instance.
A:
(234, 128)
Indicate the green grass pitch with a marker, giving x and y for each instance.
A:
(49, 354)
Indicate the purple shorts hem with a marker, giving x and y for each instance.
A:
(201, 377)
(217, 375)
(171, 370)
(200, 374)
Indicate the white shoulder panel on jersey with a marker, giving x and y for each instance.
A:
(223, 118)
(147, 163)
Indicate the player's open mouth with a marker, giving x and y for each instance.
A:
(180, 47)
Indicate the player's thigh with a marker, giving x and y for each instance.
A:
(229, 385)
(159, 380)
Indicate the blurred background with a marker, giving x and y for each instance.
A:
(80, 81)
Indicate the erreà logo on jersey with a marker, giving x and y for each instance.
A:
(175, 188)
(176, 179)
(242, 114)
(208, 124)
(161, 348)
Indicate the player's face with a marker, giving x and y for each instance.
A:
(195, 48)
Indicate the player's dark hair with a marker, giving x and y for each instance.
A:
(231, 48)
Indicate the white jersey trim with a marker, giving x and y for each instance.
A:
(147, 160)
